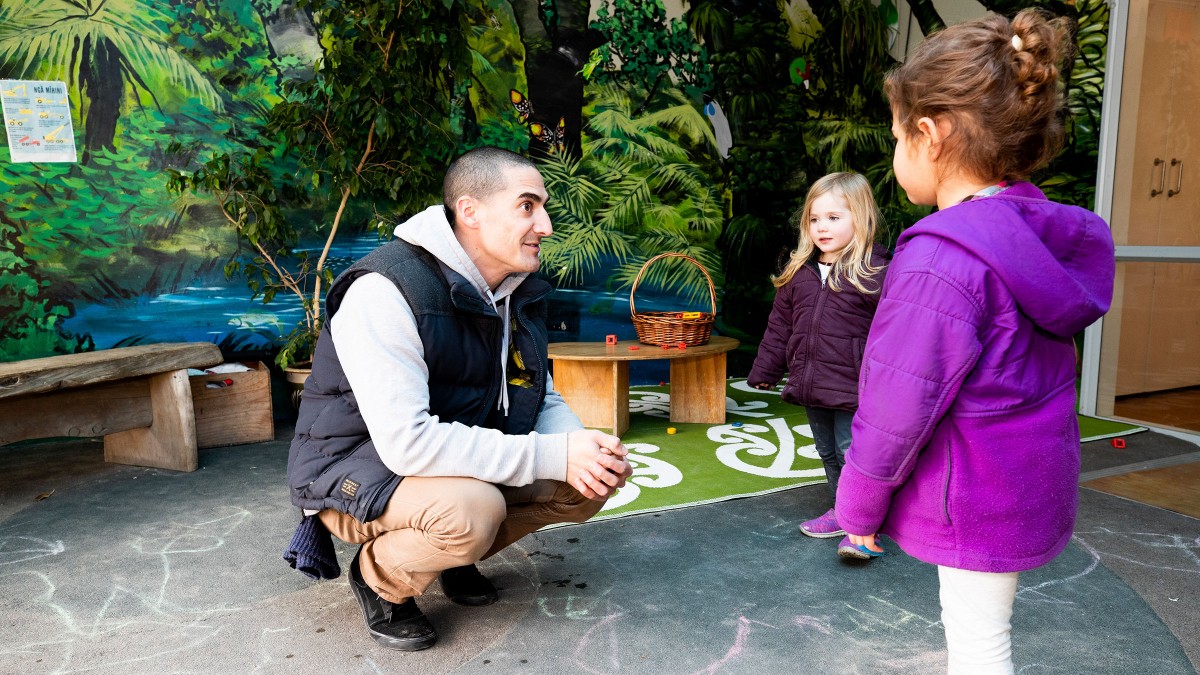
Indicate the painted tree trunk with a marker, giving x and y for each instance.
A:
(102, 83)
(554, 56)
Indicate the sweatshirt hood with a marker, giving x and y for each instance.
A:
(430, 229)
(1057, 260)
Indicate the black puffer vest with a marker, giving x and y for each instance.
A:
(332, 462)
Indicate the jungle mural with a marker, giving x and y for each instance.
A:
(229, 146)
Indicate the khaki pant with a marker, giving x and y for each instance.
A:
(433, 524)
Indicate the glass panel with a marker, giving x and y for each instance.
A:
(1150, 349)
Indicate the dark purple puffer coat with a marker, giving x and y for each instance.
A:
(816, 336)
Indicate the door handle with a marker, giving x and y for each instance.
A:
(1162, 178)
(1178, 178)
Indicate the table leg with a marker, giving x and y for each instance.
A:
(170, 440)
(597, 391)
(698, 389)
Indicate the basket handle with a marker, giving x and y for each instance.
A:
(712, 292)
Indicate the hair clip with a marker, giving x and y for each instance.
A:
(1017, 43)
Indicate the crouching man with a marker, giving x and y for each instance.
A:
(429, 431)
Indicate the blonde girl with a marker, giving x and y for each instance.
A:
(825, 298)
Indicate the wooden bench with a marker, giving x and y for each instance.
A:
(138, 398)
(593, 377)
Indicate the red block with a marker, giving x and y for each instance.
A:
(610, 339)
(1118, 443)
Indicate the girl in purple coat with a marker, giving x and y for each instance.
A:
(966, 444)
(826, 297)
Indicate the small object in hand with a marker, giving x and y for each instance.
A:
(671, 431)
(848, 549)
(610, 339)
(1118, 443)
(870, 552)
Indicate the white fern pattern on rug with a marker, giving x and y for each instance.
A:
(648, 472)
(652, 403)
(737, 440)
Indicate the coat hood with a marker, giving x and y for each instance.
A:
(1057, 260)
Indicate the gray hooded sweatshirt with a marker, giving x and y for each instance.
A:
(380, 350)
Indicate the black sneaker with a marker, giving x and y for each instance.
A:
(402, 626)
(467, 586)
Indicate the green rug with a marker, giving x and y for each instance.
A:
(1096, 429)
(764, 446)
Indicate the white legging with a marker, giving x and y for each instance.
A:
(976, 612)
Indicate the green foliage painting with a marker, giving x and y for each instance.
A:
(694, 127)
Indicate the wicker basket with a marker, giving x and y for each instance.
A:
(667, 329)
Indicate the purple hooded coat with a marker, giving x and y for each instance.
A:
(966, 444)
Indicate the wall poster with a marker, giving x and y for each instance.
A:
(37, 116)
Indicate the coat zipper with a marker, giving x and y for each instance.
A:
(822, 294)
(946, 486)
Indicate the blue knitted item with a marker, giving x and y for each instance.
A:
(311, 550)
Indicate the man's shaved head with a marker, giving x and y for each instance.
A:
(480, 173)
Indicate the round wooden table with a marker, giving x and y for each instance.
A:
(593, 377)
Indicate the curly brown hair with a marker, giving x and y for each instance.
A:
(997, 82)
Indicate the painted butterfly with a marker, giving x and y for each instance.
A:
(522, 104)
(554, 138)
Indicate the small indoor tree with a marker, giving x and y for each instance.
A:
(365, 134)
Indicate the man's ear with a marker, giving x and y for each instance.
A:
(465, 211)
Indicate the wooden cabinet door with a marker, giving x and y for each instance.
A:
(1140, 182)
(1179, 219)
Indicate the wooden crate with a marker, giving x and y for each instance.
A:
(237, 413)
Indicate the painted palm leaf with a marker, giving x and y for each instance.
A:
(45, 38)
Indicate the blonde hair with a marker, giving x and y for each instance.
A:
(853, 262)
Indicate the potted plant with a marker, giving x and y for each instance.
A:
(368, 132)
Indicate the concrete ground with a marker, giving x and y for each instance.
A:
(116, 569)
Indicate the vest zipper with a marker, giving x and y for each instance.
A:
(543, 367)
(370, 503)
(493, 395)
